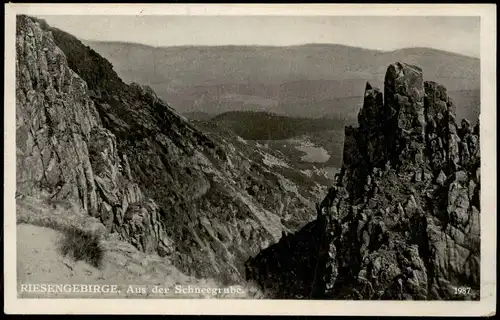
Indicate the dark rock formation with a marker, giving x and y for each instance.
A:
(129, 160)
(403, 220)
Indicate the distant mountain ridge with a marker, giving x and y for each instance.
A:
(311, 80)
(312, 44)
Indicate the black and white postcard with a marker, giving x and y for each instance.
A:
(250, 159)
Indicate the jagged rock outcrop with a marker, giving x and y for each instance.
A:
(403, 220)
(131, 161)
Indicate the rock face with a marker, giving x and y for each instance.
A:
(64, 152)
(129, 160)
(402, 222)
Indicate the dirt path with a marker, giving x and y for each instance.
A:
(135, 273)
(37, 258)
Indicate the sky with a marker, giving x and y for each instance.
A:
(455, 34)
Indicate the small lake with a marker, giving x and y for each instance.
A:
(314, 154)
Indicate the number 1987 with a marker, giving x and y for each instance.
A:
(461, 290)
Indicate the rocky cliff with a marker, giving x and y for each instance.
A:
(125, 157)
(402, 221)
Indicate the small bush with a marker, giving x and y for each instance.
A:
(82, 245)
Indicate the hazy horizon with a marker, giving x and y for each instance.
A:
(458, 35)
(267, 46)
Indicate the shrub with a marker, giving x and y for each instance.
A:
(82, 245)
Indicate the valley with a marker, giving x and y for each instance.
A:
(272, 94)
(281, 170)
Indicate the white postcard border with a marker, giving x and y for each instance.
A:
(487, 304)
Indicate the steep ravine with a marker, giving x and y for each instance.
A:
(402, 221)
(207, 203)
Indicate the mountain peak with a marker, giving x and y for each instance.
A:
(368, 86)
